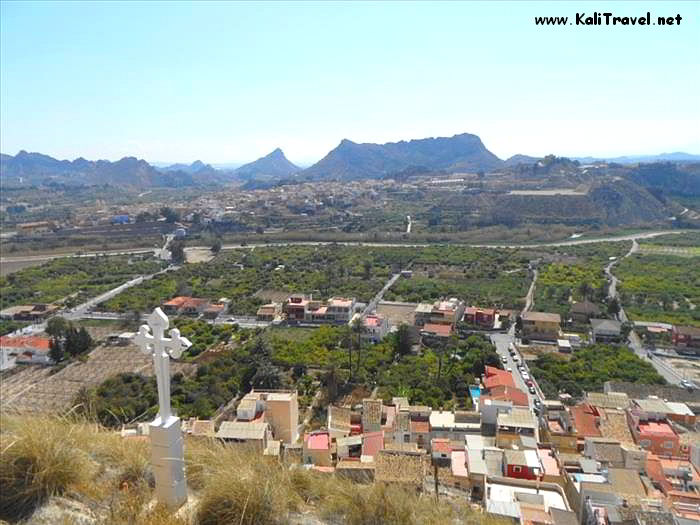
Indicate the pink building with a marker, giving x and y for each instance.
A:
(656, 435)
(480, 316)
(317, 449)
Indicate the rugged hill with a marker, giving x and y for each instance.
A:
(274, 164)
(668, 178)
(520, 159)
(36, 168)
(196, 167)
(350, 160)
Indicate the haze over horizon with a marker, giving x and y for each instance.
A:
(228, 83)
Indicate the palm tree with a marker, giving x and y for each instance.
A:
(357, 327)
(585, 290)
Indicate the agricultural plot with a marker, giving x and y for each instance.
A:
(680, 251)
(480, 276)
(323, 271)
(250, 277)
(663, 288)
(75, 279)
(684, 239)
(571, 273)
(37, 390)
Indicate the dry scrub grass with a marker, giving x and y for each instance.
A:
(111, 479)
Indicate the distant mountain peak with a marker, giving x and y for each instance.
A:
(274, 164)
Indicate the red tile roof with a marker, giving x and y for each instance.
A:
(29, 342)
(373, 320)
(657, 428)
(440, 330)
(176, 301)
(441, 445)
(420, 426)
(496, 377)
(507, 393)
(584, 416)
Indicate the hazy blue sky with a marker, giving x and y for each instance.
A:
(230, 82)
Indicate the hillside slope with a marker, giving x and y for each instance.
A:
(60, 471)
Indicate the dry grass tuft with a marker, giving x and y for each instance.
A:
(38, 461)
(236, 486)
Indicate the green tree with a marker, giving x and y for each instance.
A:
(357, 328)
(404, 340)
(144, 216)
(170, 215)
(55, 350)
(177, 251)
(367, 270)
(216, 246)
(585, 290)
(56, 326)
(614, 306)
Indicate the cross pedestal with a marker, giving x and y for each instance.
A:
(167, 461)
(167, 450)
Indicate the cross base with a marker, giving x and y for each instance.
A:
(167, 460)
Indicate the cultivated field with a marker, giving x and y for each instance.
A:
(35, 390)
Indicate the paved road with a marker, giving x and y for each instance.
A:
(614, 281)
(502, 341)
(157, 251)
(664, 370)
(647, 235)
(372, 305)
(530, 298)
(242, 321)
(82, 310)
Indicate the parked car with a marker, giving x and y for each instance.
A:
(504, 359)
(532, 390)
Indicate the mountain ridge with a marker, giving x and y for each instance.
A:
(351, 160)
(347, 161)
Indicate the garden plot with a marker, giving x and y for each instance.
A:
(35, 390)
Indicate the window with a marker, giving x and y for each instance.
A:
(645, 443)
(668, 444)
(517, 469)
(406, 438)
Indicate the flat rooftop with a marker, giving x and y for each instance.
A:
(504, 492)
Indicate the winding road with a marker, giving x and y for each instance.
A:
(664, 370)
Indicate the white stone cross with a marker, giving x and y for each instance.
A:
(162, 349)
